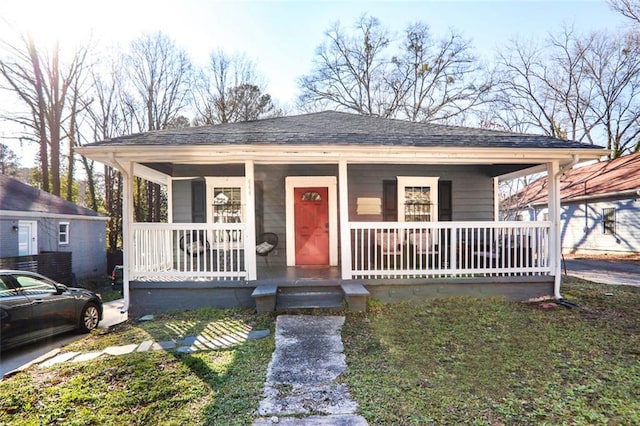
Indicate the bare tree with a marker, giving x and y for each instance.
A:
(160, 75)
(349, 71)
(628, 8)
(230, 90)
(41, 81)
(579, 88)
(105, 113)
(613, 68)
(416, 77)
(443, 78)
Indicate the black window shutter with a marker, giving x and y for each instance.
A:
(445, 205)
(389, 200)
(198, 201)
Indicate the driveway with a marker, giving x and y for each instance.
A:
(18, 357)
(604, 271)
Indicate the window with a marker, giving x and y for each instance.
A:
(63, 233)
(34, 286)
(417, 199)
(609, 221)
(311, 196)
(225, 200)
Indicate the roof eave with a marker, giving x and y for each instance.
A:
(215, 153)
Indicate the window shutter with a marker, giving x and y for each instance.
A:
(198, 202)
(389, 200)
(445, 205)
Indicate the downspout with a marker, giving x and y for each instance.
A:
(125, 262)
(556, 223)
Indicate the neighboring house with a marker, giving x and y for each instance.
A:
(359, 205)
(600, 206)
(33, 222)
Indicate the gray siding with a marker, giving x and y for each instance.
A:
(8, 237)
(582, 229)
(472, 188)
(87, 242)
(272, 179)
(472, 191)
(181, 201)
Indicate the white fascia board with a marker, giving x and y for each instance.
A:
(279, 154)
(43, 215)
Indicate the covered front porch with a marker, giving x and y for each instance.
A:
(374, 206)
(220, 263)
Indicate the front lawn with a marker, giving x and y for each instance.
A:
(451, 361)
(465, 361)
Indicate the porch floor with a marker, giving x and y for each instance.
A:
(306, 275)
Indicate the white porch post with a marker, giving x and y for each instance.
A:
(127, 233)
(250, 228)
(170, 200)
(345, 232)
(555, 246)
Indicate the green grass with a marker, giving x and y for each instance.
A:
(466, 361)
(164, 388)
(450, 361)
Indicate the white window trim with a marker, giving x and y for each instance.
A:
(67, 233)
(404, 181)
(225, 182)
(330, 182)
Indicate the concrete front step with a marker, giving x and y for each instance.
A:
(272, 297)
(308, 297)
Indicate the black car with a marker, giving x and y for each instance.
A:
(33, 307)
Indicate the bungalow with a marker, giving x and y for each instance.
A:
(34, 222)
(600, 206)
(302, 211)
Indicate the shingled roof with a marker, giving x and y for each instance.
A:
(340, 128)
(604, 178)
(19, 197)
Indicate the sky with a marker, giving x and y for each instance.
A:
(281, 37)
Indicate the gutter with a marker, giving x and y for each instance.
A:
(558, 276)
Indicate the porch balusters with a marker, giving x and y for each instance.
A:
(438, 249)
(188, 251)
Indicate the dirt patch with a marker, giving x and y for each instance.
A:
(617, 257)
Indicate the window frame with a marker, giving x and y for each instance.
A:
(225, 182)
(609, 220)
(424, 181)
(66, 233)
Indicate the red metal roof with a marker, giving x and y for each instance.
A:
(604, 178)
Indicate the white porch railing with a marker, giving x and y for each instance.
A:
(438, 249)
(188, 250)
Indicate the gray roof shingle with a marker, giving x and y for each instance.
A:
(19, 197)
(340, 128)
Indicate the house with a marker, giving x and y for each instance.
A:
(34, 222)
(600, 206)
(360, 205)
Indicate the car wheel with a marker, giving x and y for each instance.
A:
(89, 318)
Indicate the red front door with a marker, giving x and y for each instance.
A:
(312, 226)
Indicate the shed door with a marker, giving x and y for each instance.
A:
(311, 207)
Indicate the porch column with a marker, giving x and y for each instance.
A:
(345, 232)
(250, 223)
(555, 246)
(127, 233)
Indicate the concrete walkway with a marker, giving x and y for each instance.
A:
(604, 271)
(300, 388)
(189, 344)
